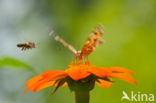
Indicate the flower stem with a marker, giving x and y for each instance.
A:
(82, 97)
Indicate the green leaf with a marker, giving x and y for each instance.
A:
(11, 62)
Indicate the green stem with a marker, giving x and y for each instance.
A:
(82, 97)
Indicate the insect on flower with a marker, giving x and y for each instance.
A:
(27, 45)
(81, 75)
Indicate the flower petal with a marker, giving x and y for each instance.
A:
(124, 76)
(54, 74)
(45, 80)
(33, 80)
(77, 73)
(47, 84)
(100, 72)
(36, 84)
(120, 70)
(103, 83)
(43, 85)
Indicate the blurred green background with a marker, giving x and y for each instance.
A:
(130, 35)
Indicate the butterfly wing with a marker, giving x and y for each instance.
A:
(93, 41)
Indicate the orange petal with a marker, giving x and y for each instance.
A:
(54, 74)
(120, 69)
(100, 72)
(43, 85)
(124, 76)
(33, 80)
(103, 83)
(77, 73)
(45, 80)
(35, 85)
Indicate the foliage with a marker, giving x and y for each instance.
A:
(17, 64)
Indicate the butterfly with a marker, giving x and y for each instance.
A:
(94, 40)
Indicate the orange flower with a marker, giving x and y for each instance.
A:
(78, 72)
(81, 76)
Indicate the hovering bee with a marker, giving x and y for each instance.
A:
(27, 45)
(93, 41)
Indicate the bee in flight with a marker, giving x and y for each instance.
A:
(27, 45)
(94, 40)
